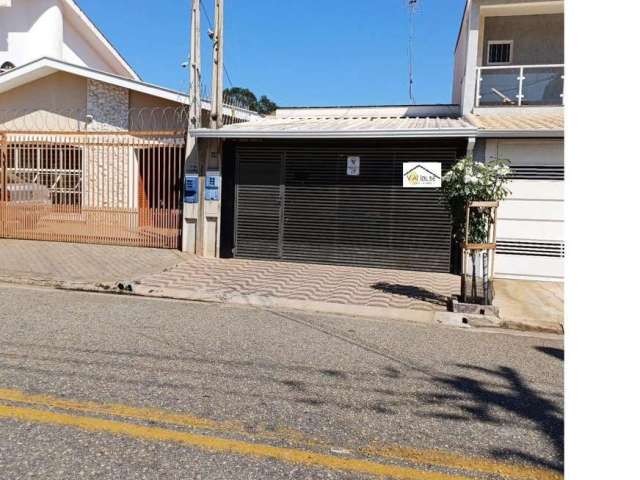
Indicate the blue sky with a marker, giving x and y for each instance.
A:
(297, 52)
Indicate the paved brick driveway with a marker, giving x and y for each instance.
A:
(170, 273)
(305, 283)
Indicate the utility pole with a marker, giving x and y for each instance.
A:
(209, 214)
(217, 73)
(195, 76)
(193, 172)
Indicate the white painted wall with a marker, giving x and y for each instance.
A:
(472, 27)
(78, 51)
(32, 29)
(460, 59)
(534, 212)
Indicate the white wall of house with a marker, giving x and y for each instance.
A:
(460, 60)
(32, 29)
(76, 50)
(531, 221)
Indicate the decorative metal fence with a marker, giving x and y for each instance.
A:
(71, 177)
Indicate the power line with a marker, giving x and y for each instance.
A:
(206, 14)
(226, 74)
(208, 18)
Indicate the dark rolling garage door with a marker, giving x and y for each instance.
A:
(297, 203)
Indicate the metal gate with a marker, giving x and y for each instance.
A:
(295, 202)
(118, 188)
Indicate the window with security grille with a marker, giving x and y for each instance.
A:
(500, 52)
(56, 169)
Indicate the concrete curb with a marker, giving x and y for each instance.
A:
(254, 300)
(435, 315)
(465, 320)
(266, 301)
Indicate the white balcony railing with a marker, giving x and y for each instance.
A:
(520, 85)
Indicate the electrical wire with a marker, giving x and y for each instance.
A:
(206, 14)
(208, 18)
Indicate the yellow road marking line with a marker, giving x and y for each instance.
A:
(222, 445)
(440, 458)
(152, 414)
(429, 457)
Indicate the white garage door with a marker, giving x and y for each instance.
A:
(531, 221)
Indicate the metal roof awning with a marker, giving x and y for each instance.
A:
(476, 125)
(344, 128)
(518, 125)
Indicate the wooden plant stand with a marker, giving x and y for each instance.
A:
(488, 251)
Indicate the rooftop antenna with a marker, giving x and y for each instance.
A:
(413, 8)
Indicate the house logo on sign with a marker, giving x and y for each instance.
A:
(422, 175)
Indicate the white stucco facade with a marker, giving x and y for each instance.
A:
(531, 220)
(57, 29)
(530, 243)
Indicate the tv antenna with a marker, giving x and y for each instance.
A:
(413, 10)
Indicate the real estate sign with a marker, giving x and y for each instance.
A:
(422, 175)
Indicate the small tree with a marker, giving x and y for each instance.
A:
(240, 97)
(245, 98)
(467, 182)
(265, 106)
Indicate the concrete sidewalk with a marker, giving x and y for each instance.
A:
(60, 264)
(529, 304)
(388, 294)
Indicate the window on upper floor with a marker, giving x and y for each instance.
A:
(500, 52)
(6, 66)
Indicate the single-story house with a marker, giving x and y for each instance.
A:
(328, 185)
(76, 119)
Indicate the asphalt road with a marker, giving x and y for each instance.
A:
(102, 386)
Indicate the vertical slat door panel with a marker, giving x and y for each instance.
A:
(332, 218)
(259, 205)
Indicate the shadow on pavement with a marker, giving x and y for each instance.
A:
(499, 398)
(554, 352)
(411, 291)
(507, 391)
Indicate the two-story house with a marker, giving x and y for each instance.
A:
(509, 82)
